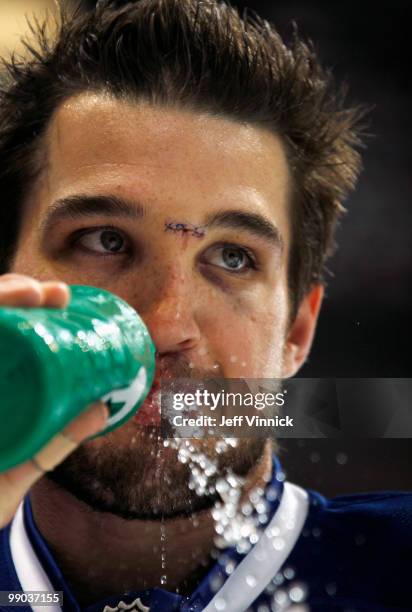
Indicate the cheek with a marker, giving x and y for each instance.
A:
(247, 337)
(28, 259)
(31, 264)
(27, 263)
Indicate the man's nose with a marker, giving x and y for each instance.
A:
(169, 315)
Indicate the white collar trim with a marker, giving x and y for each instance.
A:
(30, 573)
(263, 562)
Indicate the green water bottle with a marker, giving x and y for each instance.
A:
(55, 362)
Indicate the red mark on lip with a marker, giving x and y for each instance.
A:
(149, 411)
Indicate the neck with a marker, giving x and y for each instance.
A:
(101, 554)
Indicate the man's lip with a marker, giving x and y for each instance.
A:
(149, 411)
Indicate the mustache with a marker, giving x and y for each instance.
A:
(169, 367)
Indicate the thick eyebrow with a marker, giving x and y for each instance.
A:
(80, 205)
(76, 206)
(254, 223)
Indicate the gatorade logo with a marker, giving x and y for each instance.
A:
(129, 397)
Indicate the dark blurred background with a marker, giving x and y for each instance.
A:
(364, 326)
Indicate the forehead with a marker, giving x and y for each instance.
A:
(164, 156)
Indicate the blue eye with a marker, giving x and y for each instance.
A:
(232, 258)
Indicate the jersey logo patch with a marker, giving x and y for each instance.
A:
(135, 606)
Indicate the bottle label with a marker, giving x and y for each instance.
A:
(128, 397)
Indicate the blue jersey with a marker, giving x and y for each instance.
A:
(347, 554)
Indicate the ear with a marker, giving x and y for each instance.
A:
(301, 332)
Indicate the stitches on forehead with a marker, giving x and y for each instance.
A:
(186, 229)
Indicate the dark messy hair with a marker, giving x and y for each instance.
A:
(196, 54)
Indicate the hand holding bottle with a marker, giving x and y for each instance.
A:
(22, 291)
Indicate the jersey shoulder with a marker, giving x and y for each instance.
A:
(388, 514)
(8, 577)
(356, 549)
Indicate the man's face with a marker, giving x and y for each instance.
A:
(198, 246)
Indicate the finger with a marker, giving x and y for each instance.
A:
(55, 294)
(15, 483)
(87, 424)
(20, 291)
(15, 276)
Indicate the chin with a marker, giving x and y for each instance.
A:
(130, 473)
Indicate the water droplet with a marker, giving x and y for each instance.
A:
(163, 579)
(289, 573)
(278, 544)
(341, 458)
(261, 507)
(233, 359)
(271, 493)
(222, 486)
(281, 597)
(270, 589)
(220, 604)
(243, 547)
(251, 581)
(331, 589)
(272, 532)
(247, 509)
(230, 567)
(255, 496)
(314, 457)
(216, 582)
(254, 538)
(297, 593)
